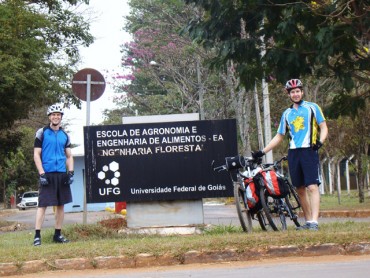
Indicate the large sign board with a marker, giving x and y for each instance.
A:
(158, 161)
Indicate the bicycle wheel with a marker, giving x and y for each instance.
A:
(244, 214)
(273, 211)
(294, 205)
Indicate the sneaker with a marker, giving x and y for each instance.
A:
(60, 239)
(314, 227)
(36, 241)
(308, 226)
(303, 227)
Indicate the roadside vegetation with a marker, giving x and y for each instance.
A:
(90, 241)
(103, 239)
(344, 202)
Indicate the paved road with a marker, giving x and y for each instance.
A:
(326, 267)
(213, 214)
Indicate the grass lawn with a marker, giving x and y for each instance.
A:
(344, 202)
(89, 241)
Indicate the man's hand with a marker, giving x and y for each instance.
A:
(258, 154)
(317, 146)
(43, 180)
(70, 177)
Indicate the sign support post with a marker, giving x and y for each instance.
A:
(82, 88)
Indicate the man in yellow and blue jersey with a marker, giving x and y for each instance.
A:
(306, 127)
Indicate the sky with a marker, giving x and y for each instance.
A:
(103, 55)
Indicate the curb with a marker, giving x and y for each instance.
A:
(190, 257)
(345, 213)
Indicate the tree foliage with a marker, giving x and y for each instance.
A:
(164, 71)
(288, 39)
(39, 42)
(38, 54)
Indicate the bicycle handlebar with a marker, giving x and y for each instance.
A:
(250, 159)
(220, 168)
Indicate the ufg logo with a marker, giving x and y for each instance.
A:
(110, 174)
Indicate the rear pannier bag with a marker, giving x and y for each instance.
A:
(251, 193)
(275, 184)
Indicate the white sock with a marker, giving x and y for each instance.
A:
(312, 222)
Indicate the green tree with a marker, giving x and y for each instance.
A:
(39, 43)
(166, 72)
(8, 172)
(38, 54)
(288, 39)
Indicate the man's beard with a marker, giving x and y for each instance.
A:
(297, 102)
(54, 124)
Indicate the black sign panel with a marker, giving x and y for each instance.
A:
(158, 161)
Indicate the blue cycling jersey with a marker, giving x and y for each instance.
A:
(53, 144)
(302, 124)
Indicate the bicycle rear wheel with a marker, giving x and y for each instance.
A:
(293, 203)
(244, 214)
(273, 212)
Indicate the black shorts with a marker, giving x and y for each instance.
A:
(57, 192)
(304, 167)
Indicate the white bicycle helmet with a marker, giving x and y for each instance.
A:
(292, 84)
(55, 108)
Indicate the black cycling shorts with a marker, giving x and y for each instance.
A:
(57, 192)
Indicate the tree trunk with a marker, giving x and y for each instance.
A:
(258, 118)
(4, 194)
(243, 106)
(361, 194)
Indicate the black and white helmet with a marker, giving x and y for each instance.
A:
(55, 108)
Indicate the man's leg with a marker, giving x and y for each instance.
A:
(40, 216)
(314, 200)
(59, 216)
(305, 202)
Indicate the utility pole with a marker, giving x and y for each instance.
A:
(201, 90)
(258, 118)
(267, 118)
(266, 106)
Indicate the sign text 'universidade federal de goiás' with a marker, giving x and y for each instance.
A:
(158, 161)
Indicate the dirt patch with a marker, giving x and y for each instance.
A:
(114, 223)
(10, 226)
(7, 212)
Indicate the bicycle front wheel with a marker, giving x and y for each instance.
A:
(273, 211)
(244, 214)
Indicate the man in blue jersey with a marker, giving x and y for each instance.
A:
(307, 130)
(54, 162)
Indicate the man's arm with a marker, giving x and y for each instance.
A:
(323, 131)
(38, 161)
(274, 142)
(70, 161)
